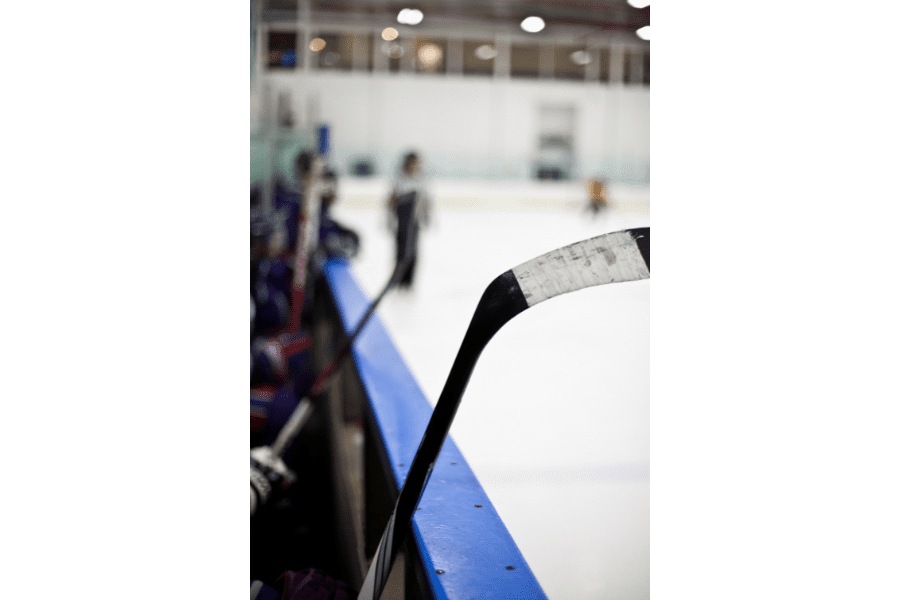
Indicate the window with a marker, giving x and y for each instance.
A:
(387, 49)
(282, 50)
(336, 53)
(569, 62)
(394, 49)
(361, 45)
(604, 64)
(524, 61)
(632, 65)
(478, 57)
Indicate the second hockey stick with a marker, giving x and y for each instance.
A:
(612, 258)
(304, 409)
(271, 457)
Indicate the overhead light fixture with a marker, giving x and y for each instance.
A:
(429, 55)
(644, 32)
(316, 45)
(639, 3)
(485, 52)
(532, 24)
(389, 34)
(410, 16)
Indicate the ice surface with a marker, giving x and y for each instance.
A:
(555, 421)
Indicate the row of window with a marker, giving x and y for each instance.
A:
(361, 52)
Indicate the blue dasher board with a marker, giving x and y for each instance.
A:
(457, 531)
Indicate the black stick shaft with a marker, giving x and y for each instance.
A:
(342, 354)
(502, 300)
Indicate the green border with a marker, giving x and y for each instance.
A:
(126, 219)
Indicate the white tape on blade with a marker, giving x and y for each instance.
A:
(610, 258)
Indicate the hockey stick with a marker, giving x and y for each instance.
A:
(303, 411)
(307, 235)
(611, 258)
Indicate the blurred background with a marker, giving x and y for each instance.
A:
(466, 85)
(532, 124)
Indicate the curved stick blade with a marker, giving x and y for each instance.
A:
(611, 258)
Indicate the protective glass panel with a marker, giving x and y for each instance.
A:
(478, 57)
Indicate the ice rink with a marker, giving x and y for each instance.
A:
(555, 421)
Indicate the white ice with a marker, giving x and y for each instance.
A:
(555, 421)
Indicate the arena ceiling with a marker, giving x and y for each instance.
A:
(604, 15)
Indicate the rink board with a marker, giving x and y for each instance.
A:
(457, 531)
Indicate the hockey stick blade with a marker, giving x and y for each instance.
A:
(611, 258)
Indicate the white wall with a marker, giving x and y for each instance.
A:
(471, 127)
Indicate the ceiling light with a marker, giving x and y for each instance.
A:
(639, 3)
(317, 45)
(532, 24)
(644, 32)
(389, 34)
(485, 52)
(410, 16)
(429, 55)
